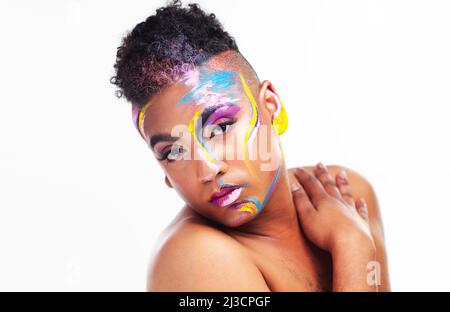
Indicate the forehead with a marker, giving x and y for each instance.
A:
(199, 88)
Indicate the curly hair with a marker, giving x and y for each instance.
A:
(158, 51)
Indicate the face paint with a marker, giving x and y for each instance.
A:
(256, 207)
(197, 125)
(209, 87)
(229, 111)
(254, 123)
(138, 117)
(249, 136)
(204, 94)
(214, 91)
(275, 179)
(249, 207)
(196, 129)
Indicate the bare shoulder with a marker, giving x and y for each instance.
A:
(197, 257)
(362, 187)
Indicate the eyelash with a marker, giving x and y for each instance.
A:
(229, 122)
(166, 154)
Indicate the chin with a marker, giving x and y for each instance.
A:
(240, 219)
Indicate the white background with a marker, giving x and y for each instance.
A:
(365, 83)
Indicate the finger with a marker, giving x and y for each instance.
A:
(321, 173)
(312, 186)
(361, 207)
(344, 187)
(302, 203)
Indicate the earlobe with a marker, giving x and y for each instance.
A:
(166, 179)
(269, 97)
(280, 123)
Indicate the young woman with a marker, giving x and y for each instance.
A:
(249, 223)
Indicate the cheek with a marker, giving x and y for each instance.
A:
(264, 148)
(185, 188)
(269, 159)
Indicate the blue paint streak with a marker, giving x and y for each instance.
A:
(216, 81)
(275, 178)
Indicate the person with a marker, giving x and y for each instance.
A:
(249, 223)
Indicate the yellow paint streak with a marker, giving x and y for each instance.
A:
(250, 126)
(249, 207)
(141, 116)
(191, 128)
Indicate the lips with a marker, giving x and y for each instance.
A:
(226, 196)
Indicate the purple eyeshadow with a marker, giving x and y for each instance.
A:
(224, 111)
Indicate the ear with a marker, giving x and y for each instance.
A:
(269, 99)
(166, 179)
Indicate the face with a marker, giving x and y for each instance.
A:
(215, 141)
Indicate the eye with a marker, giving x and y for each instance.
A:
(175, 153)
(221, 128)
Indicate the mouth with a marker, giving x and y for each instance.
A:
(226, 196)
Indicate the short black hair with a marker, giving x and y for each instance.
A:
(160, 49)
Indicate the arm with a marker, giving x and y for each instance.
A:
(362, 188)
(199, 258)
(350, 260)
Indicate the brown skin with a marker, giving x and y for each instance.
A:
(281, 248)
(332, 220)
(253, 264)
(355, 188)
(165, 113)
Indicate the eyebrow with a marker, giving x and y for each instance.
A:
(161, 137)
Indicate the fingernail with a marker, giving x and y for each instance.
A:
(343, 175)
(295, 186)
(363, 201)
(299, 170)
(320, 165)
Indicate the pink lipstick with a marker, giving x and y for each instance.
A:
(226, 196)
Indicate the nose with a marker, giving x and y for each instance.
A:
(207, 171)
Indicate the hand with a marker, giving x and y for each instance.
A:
(328, 215)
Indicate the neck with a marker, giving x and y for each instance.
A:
(278, 218)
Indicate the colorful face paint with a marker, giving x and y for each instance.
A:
(280, 123)
(209, 87)
(138, 117)
(275, 178)
(254, 123)
(216, 92)
(221, 111)
(253, 205)
(255, 202)
(249, 207)
(205, 118)
(249, 136)
(196, 129)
